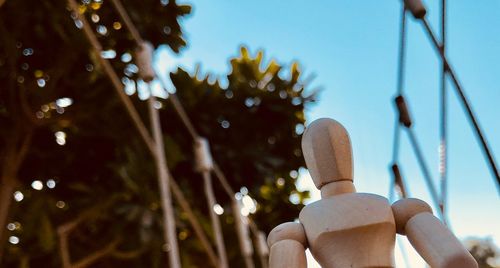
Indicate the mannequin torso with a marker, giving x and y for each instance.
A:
(350, 230)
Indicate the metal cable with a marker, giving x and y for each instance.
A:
(399, 86)
(181, 112)
(465, 102)
(164, 183)
(425, 170)
(127, 20)
(179, 109)
(402, 52)
(136, 120)
(214, 219)
(400, 81)
(443, 118)
(138, 39)
(117, 85)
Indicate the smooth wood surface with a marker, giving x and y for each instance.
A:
(350, 230)
(287, 254)
(405, 209)
(288, 230)
(327, 150)
(436, 244)
(346, 229)
(339, 187)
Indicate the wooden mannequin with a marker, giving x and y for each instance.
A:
(349, 229)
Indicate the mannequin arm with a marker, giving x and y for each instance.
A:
(288, 243)
(430, 238)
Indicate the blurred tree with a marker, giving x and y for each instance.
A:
(45, 66)
(484, 251)
(77, 175)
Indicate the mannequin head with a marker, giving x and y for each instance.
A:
(327, 151)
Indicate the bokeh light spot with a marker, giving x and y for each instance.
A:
(51, 183)
(218, 209)
(14, 240)
(102, 30)
(60, 137)
(167, 30)
(60, 204)
(37, 185)
(11, 226)
(18, 196)
(225, 124)
(95, 18)
(64, 102)
(117, 25)
(40, 82)
(126, 57)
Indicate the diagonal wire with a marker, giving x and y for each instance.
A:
(164, 182)
(443, 118)
(466, 104)
(117, 85)
(140, 127)
(179, 109)
(181, 112)
(173, 98)
(128, 22)
(399, 85)
(400, 81)
(425, 170)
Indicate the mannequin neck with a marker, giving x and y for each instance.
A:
(336, 188)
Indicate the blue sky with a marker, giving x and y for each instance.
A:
(352, 47)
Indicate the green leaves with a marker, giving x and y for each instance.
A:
(106, 179)
(251, 128)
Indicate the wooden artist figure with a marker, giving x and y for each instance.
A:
(349, 229)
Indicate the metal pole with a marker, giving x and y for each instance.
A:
(216, 227)
(170, 233)
(443, 133)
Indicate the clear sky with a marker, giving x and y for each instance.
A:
(352, 47)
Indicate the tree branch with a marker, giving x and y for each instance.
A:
(123, 255)
(13, 159)
(100, 253)
(65, 230)
(23, 150)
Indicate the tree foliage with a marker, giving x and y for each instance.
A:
(57, 106)
(484, 251)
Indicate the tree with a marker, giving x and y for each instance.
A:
(484, 251)
(62, 126)
(43, 58)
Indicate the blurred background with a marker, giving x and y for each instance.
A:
(79, 184)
